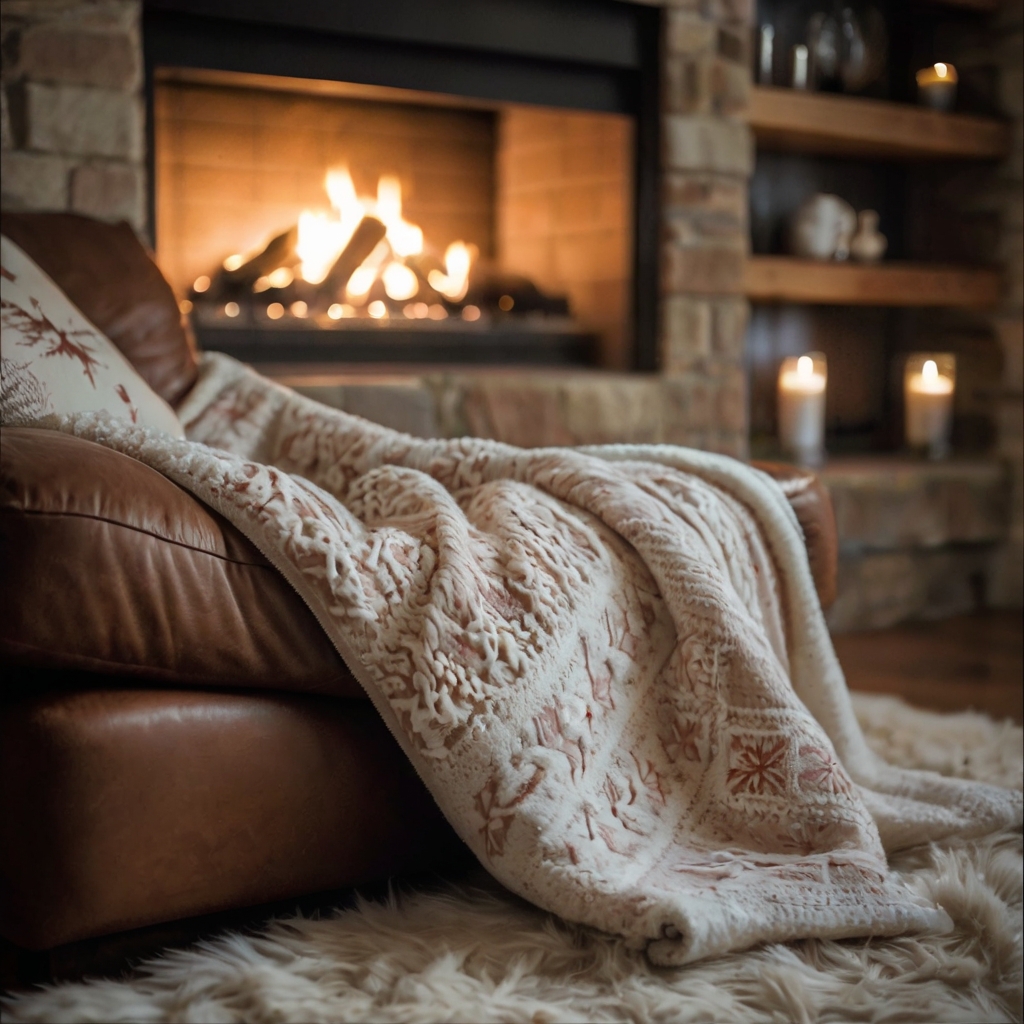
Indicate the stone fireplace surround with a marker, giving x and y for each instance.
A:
(74, 138)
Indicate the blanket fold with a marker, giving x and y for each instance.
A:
(608, 665)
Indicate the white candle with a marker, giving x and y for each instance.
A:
(800, 65)
(802, 408)
(928, 399)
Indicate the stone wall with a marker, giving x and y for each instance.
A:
(73, 127)
(708, 159)
(521, 407)
(989, 59)
(1007, 581)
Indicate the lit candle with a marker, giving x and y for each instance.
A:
(802, 407)
(928, 386)
(936, 86)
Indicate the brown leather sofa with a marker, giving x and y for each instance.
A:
(177, 736)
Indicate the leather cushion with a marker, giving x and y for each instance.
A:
(109, 567)
(123, 808)
(107, 273)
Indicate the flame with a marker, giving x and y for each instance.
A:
(342, 193)
(406, 239)
(805, 367)
(454, 283)
(400, 282)
(360, 283)
(318, 246)
(323, 236)
(930, 371)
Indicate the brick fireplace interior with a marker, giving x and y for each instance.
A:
(543, 193)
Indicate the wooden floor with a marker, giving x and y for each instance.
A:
(973, 661)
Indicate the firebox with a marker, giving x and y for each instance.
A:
(309, 206)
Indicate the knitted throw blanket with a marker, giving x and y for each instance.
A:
(608, 665)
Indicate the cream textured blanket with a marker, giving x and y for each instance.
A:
(608, 665)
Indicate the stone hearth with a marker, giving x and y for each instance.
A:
(917, 539)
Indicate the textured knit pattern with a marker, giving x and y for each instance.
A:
(608, 665)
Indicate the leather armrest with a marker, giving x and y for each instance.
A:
(810, 500)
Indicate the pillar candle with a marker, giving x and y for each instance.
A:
(802, 407)
(800, 66)
(936, 86)
(928, 387)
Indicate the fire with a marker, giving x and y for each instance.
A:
(323, 237)
(454, 283)
(362, 249)
(400, 282)
(406, 239)
(360, 257)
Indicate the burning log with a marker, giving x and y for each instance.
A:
(364, 240)
(493, 289)
(223, 284)
(278, 252)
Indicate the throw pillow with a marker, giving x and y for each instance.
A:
(53, 360)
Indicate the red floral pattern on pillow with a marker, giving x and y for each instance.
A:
(55, 361)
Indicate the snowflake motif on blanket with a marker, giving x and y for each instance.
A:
(757, 765)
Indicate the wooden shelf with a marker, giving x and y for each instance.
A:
(785, 279)
(809, 122)
(979, 6)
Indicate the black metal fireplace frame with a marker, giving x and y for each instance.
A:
(599, 55)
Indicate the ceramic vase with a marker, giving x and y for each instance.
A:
(868, 245)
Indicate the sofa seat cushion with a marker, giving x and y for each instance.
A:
(110, 568)
(123, 808)
(107, 273)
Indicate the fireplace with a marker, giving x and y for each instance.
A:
(326, 212)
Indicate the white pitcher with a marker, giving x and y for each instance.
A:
(822, 227)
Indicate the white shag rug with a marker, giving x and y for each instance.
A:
(481, 954)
